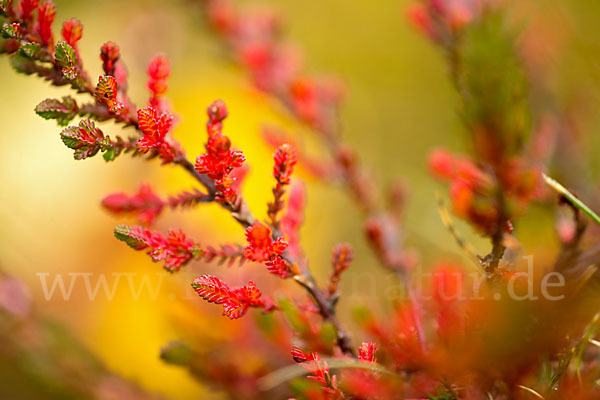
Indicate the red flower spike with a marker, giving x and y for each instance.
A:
(106, 93)
(220, 160)
(72, 31)
(158, 72)
(26, 8)
(176, 250)
(45, 17)
(262, 248)
(366, 352)
(285, 159)
(145, 204)
(341, 259)
(235, 301)
(109, 54)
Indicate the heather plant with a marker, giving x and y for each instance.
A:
(457, 336)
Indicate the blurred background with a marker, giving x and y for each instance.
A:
(399, 106)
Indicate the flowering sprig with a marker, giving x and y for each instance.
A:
(341, 259)
(155, 128)
(262, 248)
(147, 205)
(176, 250)
(285, 159)
(235, 301)
(46, 15)
(219, 160)
(159, 71)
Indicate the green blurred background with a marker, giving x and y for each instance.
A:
(399, 106)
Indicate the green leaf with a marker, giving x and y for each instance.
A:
(62, 111)
(66, 59)
(572, 198)
(292, 315)
(290, 372)
(176, 353)
(70, 137)
(133, 236)
(22, 64)
(110, 154)
(85, 139)
(31, 50)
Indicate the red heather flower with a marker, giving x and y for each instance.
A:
(46, 14)
(155, 128)
(146, 204)
(235, 301)
(367, 351)
(72, 31)
(262, 248)
(285, 159)
(109, 54)
(26, 8)
(106, 93)
(176, 250)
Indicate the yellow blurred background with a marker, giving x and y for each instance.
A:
(399, 106)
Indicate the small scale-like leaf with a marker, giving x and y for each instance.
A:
(12, 31)
(133, 236)
(66, 59)
(31, 50)
(70, 137)
(86, 140)
(62, 111)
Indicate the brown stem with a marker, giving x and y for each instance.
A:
(239, 210)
